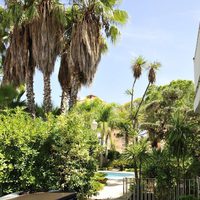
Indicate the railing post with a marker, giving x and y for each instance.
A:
(198, 187)
(126, 185)
(123, 186)
(1, 190)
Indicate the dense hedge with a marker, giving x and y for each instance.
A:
(37, 155)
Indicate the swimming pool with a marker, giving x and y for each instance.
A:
(118, 175)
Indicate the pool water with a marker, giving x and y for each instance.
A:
(118, 175)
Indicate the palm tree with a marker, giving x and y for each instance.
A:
(64, 77)
(35, 41)
(137, 71)
(105, 119)
(177, 139)
(87, 43)
(136, 154)
(151, 78)
(3, 34)
(65, 72)
(19, 65)
(46, 34)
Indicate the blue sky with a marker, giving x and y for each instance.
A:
(164, 31)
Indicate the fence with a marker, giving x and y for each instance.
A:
(147, 189)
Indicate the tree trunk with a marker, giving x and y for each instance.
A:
(47, 93)
(73, 92)
(135, 117)
(135, 169)
(132, 101)
(30, 93)
(126, 137)
(64, 99)
(106, 146)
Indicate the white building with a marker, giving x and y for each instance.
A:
(197, 75)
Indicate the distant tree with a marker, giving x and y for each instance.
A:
(151, 78)
(161, 103)
(178, 139)
(137, 66)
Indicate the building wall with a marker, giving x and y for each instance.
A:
(197, 75)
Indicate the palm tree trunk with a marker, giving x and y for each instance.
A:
(47, 93)
(64, 98)
(135, 117)
(73, 92)
(30, 93)
(126, 137)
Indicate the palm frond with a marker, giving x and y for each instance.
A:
(120, 16)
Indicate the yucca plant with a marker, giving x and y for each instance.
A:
(137, 66)
(151, 80)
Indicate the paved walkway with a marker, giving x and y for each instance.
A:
(113, 190)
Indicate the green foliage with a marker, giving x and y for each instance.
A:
(188, 197)
(120, 164)
(168, 118)
(113, 155)
(113, 33)
(36, 155)
(120, 16)
(100, 177)
(11, 97)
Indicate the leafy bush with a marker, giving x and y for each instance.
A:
(99, 181)
(36, 155)
(113, 155)
(188, 197)
(100, 177)
(120, 164)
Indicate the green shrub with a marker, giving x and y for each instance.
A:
(98, 182)
(35, 155)
(120, 164)
(100, 177)
(188, 197)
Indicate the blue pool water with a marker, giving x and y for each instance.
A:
(118, 175)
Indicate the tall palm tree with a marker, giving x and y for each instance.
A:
(137, 71)
(87, 43)
(65, 72)
(4, 33)
(46, 34)
(105, 120)
(64, 78)
(19, 65)
(151, 80)
(35, 41)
